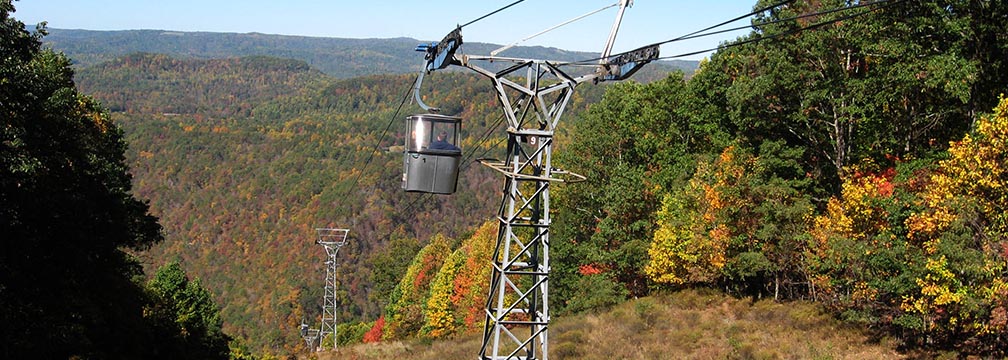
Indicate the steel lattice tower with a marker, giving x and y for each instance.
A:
(517, 306)
(309, 336)
(332, 240)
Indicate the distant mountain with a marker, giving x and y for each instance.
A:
(340, 58)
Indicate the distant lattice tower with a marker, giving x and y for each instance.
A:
(332, 240)
(309, 335)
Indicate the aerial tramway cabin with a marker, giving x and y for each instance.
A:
(431, 158)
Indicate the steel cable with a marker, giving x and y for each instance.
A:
(378, 144)
(490, 14)
(703, 32)
(886, 3)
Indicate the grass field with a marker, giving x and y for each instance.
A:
(690, 324)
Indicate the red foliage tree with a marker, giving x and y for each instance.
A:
(375, 334)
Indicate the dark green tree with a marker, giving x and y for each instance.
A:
(68, 285)
(632, 146)
(389, 266)
(189, 307)
(900, 81)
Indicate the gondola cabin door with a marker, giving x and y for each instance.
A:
(431, 158)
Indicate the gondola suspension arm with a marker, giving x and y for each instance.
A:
(437, 56)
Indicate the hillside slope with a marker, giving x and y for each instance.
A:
(690, 324)
(243, 158)
(853, 182)
(341, 58)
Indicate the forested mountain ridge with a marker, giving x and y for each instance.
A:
(338, 57)
(217, 88)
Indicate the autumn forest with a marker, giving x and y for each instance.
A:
(859, 167)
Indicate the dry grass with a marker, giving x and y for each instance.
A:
(685, 325)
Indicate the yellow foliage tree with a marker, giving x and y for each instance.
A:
(924, 249)
(438, 314)
(691, 238)
(852, 228)
(460, 285)
(967, 194)
(404, 314)
(741, 220)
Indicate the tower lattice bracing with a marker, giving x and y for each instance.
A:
(517, 308)
(332, 240)
(309, 336)
(533, 95)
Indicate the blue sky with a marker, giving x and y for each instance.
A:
(646, 22)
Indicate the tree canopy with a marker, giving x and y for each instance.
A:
(69, 284)
(846, 163)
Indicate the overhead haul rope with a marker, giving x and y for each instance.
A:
(740, 17)
(378, 144)
(486, 136)
(703, 32)
(886, 3)
(491, 13)
(696, 35)
(554, 27)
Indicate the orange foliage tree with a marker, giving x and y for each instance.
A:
(375, 334)
(471, 285)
